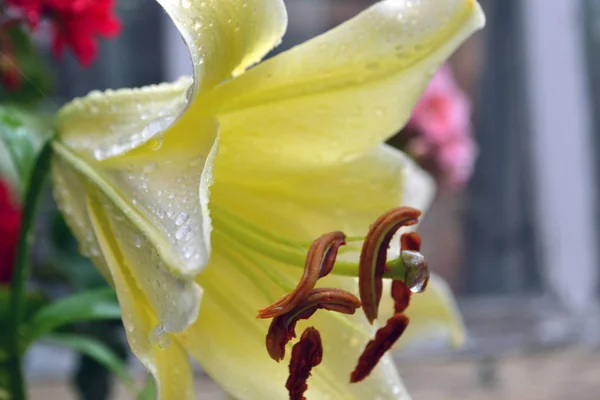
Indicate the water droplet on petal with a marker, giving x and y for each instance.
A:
(156, 143)
(181, 218)
(196, 161)
(182, 232)
(417, 270)
(151, 166)
(159, 337)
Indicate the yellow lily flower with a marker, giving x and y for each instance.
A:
(299, 154)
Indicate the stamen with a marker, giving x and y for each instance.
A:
(282, 328)
(306, 355)
(319, 263)
(376, 348)
(417, 275)
(374, 254)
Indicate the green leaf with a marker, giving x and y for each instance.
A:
(33, 303)
(92, 380)
(22, 134)
(93, 305)
(94, 349)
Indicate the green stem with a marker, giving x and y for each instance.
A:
(21, 269)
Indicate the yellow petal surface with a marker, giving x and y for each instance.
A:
(330, 98)
(434, 316)
(226, 36)
(170, 365)
(348, 196)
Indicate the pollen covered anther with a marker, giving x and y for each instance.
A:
(373, 256)
(376, 348)
(319, 263)
(306, 354)
(302, 303)
(401, 295)
(282, 328)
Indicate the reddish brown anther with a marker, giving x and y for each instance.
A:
(410, 241)
(306, 354)
(376, 348)
(374, 253)
(282, 328)
(319, 263)
(401, 295)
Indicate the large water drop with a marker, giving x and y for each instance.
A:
(417, 270)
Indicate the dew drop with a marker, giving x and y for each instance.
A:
(137, 241)
(196, 161)
(159, 337)
(182, 232)
(417, 270)
(181, 218)
(189, 253)
(151, 166)
(156, 143)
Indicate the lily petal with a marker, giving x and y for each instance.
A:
(170, 366)
(328, 99)
(103, 125)
(348, 196)
(229, 342)
(226, 36)
(155, 196)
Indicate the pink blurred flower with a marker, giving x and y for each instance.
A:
(442, 134)
(457, 159)
(444, 110)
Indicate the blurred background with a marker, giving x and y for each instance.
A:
(517, 241)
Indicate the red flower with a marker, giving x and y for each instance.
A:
(75, 23)
(10, 221)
